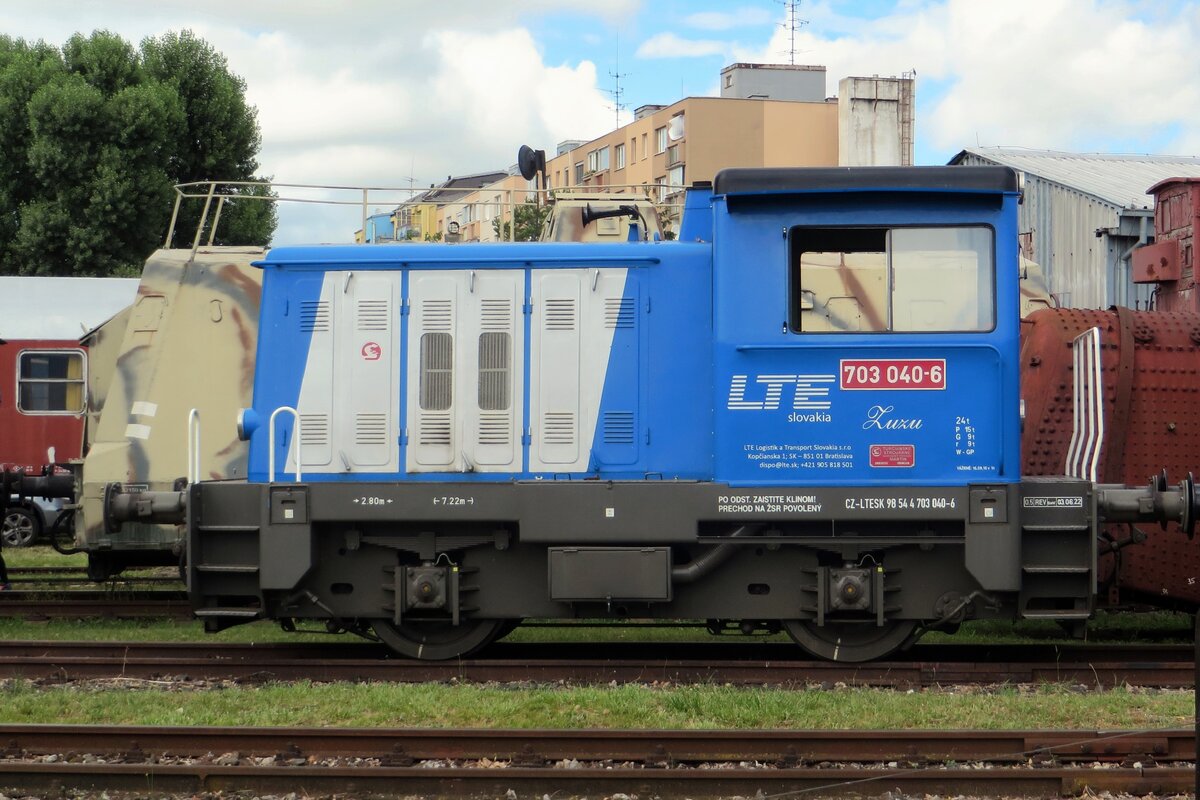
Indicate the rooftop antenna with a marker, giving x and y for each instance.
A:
(617, 92)
(791, 25)
(412, 180)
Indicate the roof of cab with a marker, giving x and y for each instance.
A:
(794, 180)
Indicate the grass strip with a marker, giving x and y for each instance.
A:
(557, 707)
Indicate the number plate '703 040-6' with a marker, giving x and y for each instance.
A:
(892, 373)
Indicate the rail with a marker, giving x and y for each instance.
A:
(485, 213)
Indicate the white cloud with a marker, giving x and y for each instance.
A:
(370, 93)
(1057, 74)
(668, 45)
(725, 20)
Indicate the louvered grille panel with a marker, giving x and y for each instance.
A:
(496, 315)
(560, 314)
(437, 371)
(435, 429)
(618, 427)
(495, 359)
(494, 429)
(558, 427)
(314, 430)
(373, 315)
(370, 429)
(619, 312)
(315, 316)
(437, 315)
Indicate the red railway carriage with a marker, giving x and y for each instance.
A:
(43, 397)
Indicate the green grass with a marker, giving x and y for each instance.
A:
(41, 556)
(530, 706)
(690, 707)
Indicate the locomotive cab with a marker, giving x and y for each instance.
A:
(870, 400)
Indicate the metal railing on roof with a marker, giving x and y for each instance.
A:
(668, 199)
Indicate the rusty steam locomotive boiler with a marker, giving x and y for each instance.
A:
(1150, 364)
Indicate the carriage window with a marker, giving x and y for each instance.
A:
(856, 280)
(50, 382)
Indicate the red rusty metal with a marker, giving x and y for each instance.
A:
(1151, 370)
(1176, 218)
(1157, 263)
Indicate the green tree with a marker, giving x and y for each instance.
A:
(219, 139)
(92, 138)
(529, 217)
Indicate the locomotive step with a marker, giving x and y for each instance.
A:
(238, 568)
(243, 613)
(1055, 569)
(1055, 528)
(230, 528)
(1056, 614)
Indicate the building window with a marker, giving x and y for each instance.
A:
(729, 81)
(598, 160)
(645, 152)
(660, 140)
(673, 154)
(579, 174)
(50, 382)
(620, 154)
(852, 280)
(675, 128)
(632, 149)
(675, 178)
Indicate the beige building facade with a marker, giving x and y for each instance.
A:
(669, 147)
(769, 116)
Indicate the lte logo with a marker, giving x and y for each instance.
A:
(371, 351)
(808, 392)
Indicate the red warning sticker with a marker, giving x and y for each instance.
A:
(893, 455)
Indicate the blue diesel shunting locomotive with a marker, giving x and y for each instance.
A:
(803, 416)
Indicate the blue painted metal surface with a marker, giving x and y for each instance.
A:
(710, 380)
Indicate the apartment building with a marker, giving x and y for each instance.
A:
(768, 115)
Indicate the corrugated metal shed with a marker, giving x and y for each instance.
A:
(59, 308)
(1083, 214)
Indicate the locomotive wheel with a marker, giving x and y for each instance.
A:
(848, 641)
(437, 641)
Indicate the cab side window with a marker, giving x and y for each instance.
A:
(874, 280)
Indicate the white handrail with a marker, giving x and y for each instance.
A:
(193, 444)
(271, 443)
(1087, 433)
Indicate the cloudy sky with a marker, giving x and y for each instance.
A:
(398, 93)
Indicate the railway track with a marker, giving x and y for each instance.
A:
(643, 762)
(115, 603)
(1158, 665)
